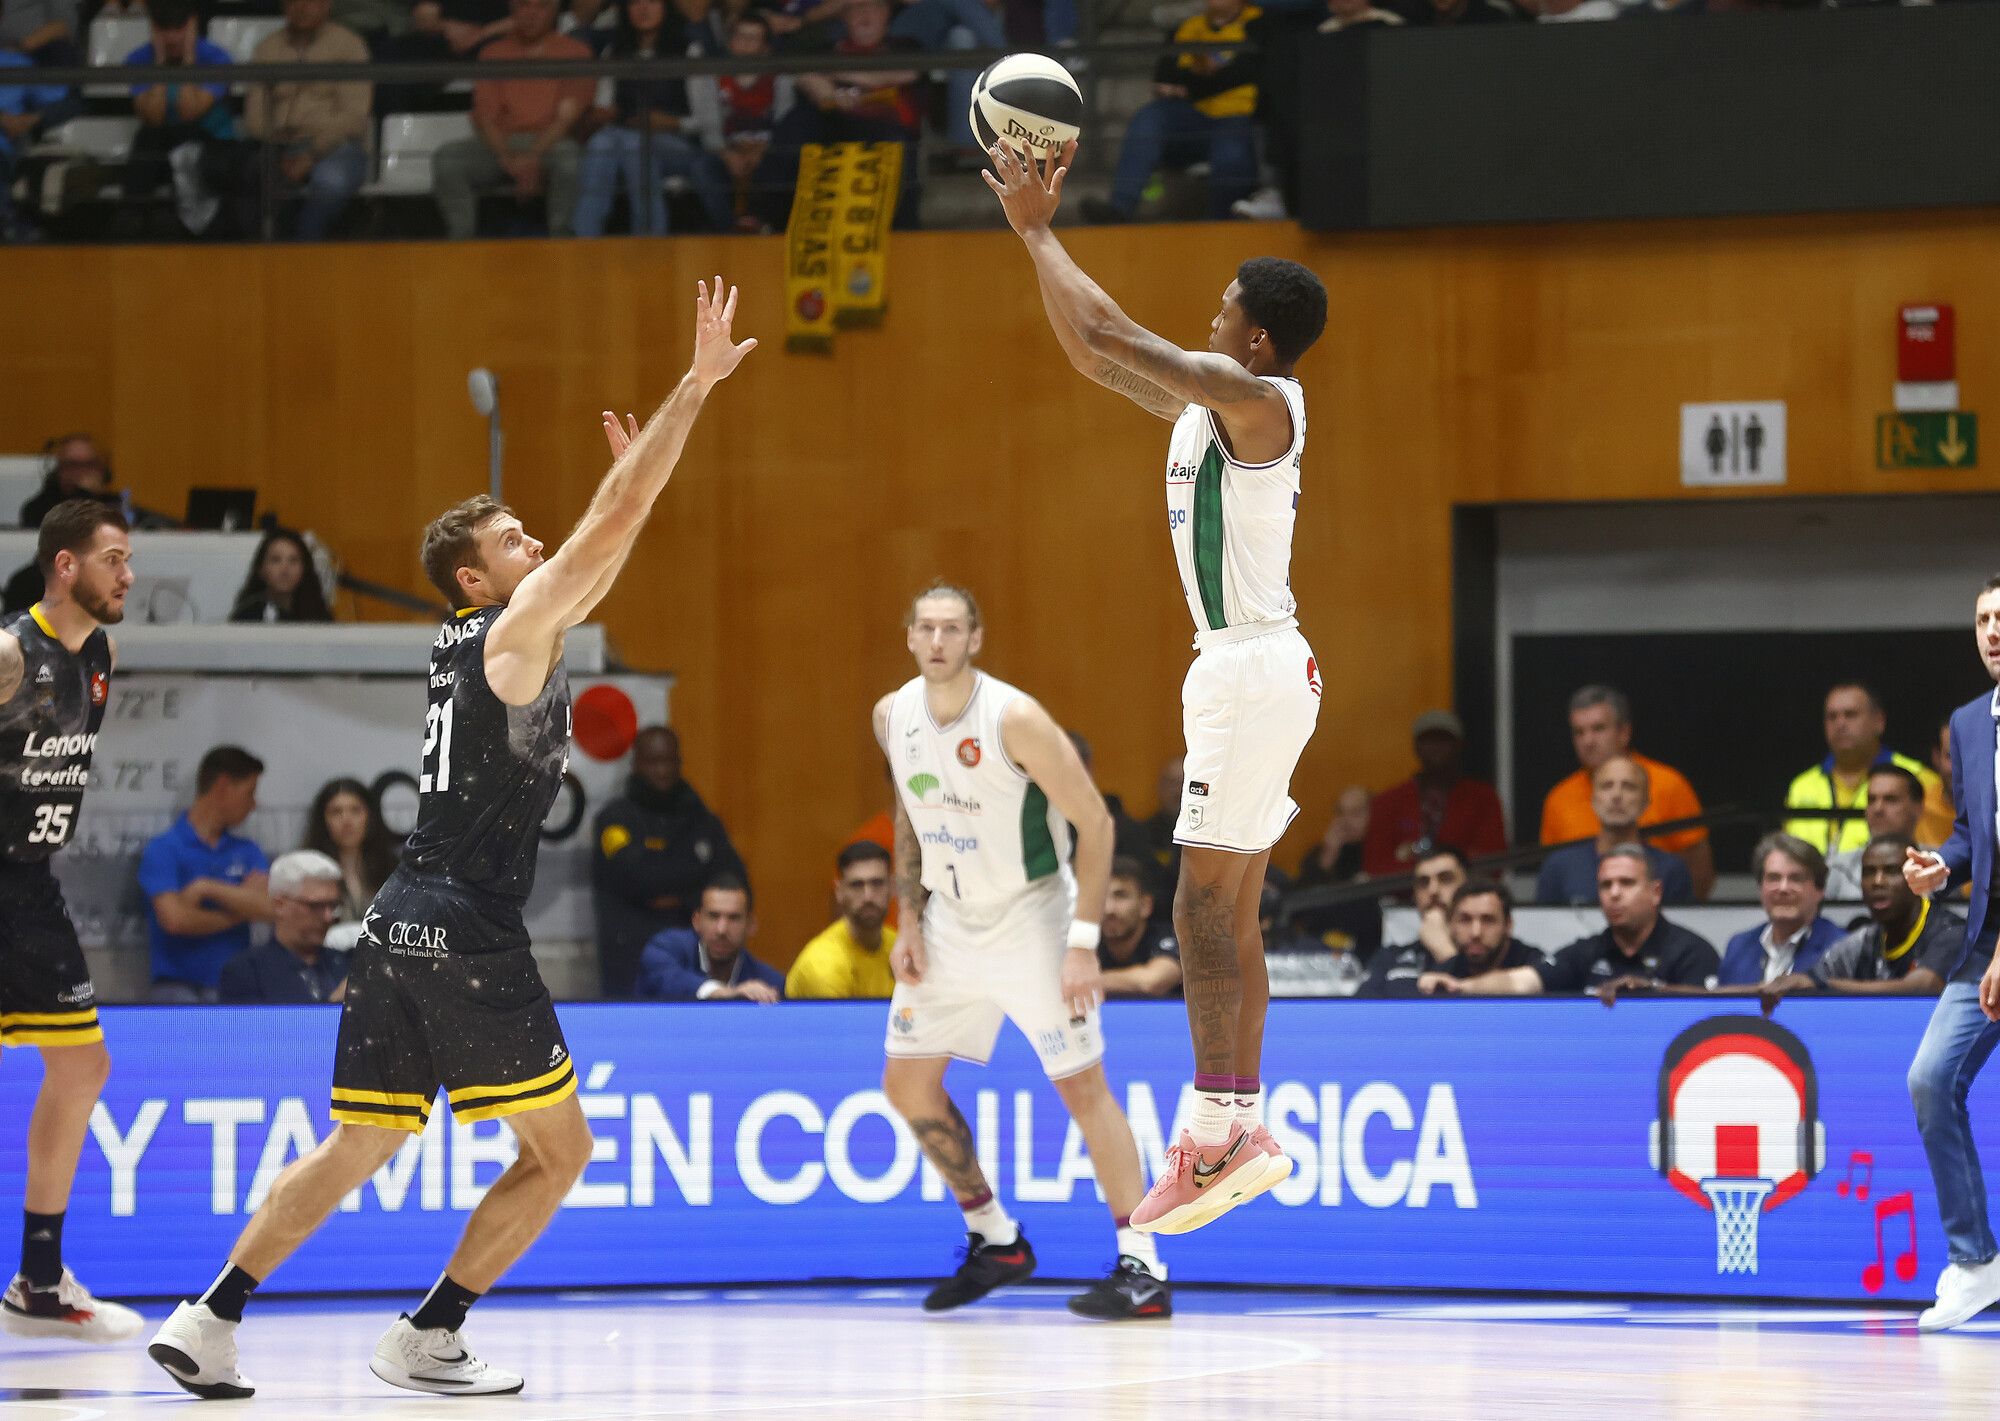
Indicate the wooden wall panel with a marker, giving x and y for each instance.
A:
(1472, 366)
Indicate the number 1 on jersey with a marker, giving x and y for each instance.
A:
(437, 736)
(956, 891)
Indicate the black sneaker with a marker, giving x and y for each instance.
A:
(1130, 1291)
(985, 1266)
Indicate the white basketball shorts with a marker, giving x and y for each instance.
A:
(986, 965)
(1248, 708)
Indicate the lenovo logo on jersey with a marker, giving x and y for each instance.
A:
(957, 843)
(416, 940)
(54, 747)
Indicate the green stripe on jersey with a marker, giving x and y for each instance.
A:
(1208, 537)
(1038, 846)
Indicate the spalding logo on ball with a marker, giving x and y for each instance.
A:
(1028, 101)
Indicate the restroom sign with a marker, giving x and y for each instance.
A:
(1733, 445)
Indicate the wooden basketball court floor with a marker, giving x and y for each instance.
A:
(869, 1353)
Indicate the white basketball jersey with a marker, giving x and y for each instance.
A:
(1232, 522)
(987, 829)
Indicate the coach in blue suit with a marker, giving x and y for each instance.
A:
(1966, 1025)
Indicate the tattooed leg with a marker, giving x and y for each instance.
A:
(1256, 1000)
(916, 1089)
(1205, 922)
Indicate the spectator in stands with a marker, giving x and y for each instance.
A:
(646, 121)
(801, 26)
(1855, 723)
(737, 116)
(345, 824)
(1437, 805)
(656, 845)
(954, 24)
(1935, 826)
(1619, 797)
(27, 111)
(203, 883)
(522, 129)
(1201, 112)
(863, 106)
(1127, 833)
(1355, 14)
(296, 965)
(1482, 929)
(1600, 726)
(851, 957)
(187, 134)
(1395, 970)
(77, 467)
(283, 584)
(1908, 947)
(44, 32)
(1895, 806)
(1791, 882)
(1137, 956)
(318, 129)
(1637, 949)
(424, 31)
(1336, 859)
(710, 960)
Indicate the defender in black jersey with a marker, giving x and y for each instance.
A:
(443, 990)
(55, 680)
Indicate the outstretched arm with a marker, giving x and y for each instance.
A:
(558, 594)
(1030, 192)
(1104, 370)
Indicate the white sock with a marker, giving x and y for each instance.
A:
(1250, 1109)
(1132, 1243)
(991, 1223)
(1214, 1116)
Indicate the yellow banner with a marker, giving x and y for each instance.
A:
(871, 176)
(837, 242)
(809, 249)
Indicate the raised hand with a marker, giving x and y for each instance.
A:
(1924, 871)
(1029, 188)
(618, 436)
(716, 356)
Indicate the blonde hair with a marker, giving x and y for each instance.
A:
(451, 542)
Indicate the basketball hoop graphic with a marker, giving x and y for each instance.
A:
(1738, 1128)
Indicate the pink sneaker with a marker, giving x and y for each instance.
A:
(1198, 1186)
(1277, 1164)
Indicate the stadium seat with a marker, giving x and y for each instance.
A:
(112, 37)
(408, 140)
(241, 34)
(107, 139)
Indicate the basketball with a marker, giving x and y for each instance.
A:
(1028, 100)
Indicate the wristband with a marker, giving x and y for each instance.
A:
(1084, 937)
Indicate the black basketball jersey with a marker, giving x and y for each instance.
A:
(491, 771)
(48, 733)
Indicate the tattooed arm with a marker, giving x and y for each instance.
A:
(906, 958)
(1105, 371)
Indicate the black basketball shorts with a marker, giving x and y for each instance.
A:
(46, 998)
(432, 1002)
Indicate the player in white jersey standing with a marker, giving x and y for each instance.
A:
(1252, 696)
(996, 926)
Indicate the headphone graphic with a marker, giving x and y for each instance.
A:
(1811, 1133)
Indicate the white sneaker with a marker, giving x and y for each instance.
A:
(1964, 1291)
(198, 1349)
(1266, 204)
(66, 1310)
(436, 1360)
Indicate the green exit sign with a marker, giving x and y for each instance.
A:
(1936, 440)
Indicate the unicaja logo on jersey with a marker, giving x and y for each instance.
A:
(931, 793)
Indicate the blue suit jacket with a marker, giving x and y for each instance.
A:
(1968, 853)
(670, 969)
(1743, 959)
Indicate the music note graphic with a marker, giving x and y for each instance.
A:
(1867, 1163)
(1875, 1274)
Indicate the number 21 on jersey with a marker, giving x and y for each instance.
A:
(437, 741)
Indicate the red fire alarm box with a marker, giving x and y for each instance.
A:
(1926, 348)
